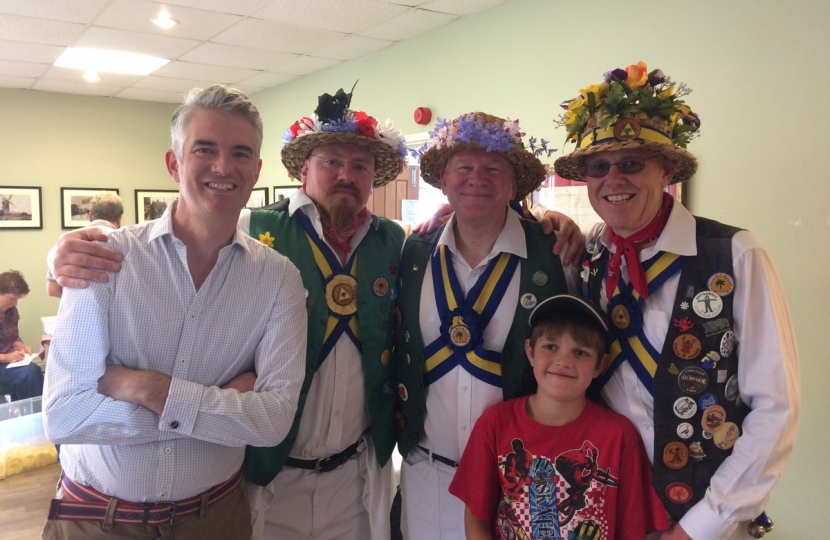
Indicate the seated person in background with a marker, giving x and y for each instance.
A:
(162, 375)
(105, 213)
(24, 381)
(553, 464)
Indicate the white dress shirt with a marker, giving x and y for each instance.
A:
(249, 314)
(768, 378)
(456, 400)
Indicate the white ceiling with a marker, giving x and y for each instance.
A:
(250, 44)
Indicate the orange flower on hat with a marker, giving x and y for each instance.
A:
(637, 75)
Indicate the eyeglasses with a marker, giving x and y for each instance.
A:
(629, 165)
(336, 164)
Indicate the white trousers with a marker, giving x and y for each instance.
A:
(351, 502)
(428, 510)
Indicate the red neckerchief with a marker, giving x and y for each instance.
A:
(630, 247)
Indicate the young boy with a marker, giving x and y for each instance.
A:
(554, 465)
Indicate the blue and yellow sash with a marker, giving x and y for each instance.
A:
(625, 313)
(463, 320)
(340, 283)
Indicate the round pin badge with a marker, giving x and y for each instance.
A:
(726, 436)
(685, 430)
(384, 357)
(340, 294)
(459, 335)
(679, 493)
(707, 304)
(686, 346)
(706, 400)
(713, 418)
(693, 380)
(685, 407)
(706, 435)
(721, 283)
(402, 392)
(620, 317)
(384, 307)
(696, 451)
(727, 343)
(380, 287)
(731, 390)
(675, 455)
(539, 278)
(528, 301)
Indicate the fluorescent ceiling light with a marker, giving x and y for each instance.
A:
(164, 21)
(91, 76)
(101, 60)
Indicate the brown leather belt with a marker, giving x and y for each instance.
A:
(87, 504)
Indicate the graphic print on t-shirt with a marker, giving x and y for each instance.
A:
(549, 499)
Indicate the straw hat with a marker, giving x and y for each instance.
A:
(632, 108)
(477, 130)
(334, 123)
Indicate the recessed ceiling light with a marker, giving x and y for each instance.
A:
(164, 21)
(106, 61)
(91, 76)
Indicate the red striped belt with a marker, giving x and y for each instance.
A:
(83, 503)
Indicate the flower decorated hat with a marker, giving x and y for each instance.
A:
(334, 123)
(631, 108)
(477, 130)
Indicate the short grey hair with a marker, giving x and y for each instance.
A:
(217, 97)
(106, 205)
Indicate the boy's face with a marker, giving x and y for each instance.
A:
(563, 368)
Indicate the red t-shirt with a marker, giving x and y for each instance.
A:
(590, 477)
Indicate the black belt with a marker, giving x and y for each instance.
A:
(440, 459)
(325, 464)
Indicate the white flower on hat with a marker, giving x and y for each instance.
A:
(388, 133)
(512, 127)
(309, 125)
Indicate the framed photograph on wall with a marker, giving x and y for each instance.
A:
(75, 205)
(283, 192)
(152, 204)
(21, 207)
(258, 198)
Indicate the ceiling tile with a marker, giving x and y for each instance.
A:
(305, 65)
(235, 7)
(70, 87)
(276, 36)
(267, 79)
(109, 38)
(22, 69)
(410, 24)
(352, 47)
(204, 72)
(411, 3)
(16, 82)
(342, 16)
(135, 15)
(77, 75)
(233, 56)
(79, 11)
(142, 94)
(29, 52)
(29, 30)
(461, 7)
(181, 86)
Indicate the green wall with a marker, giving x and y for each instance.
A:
(62, 140)
(758, 70)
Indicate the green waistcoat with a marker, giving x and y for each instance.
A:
(378, 258)
(541, 275)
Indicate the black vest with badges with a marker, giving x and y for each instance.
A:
(698, 413)
(541, 276)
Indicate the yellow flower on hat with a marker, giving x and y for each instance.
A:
(267, 239)
(667, 93)
(637, 75)
(577, 105)
(597, 89)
